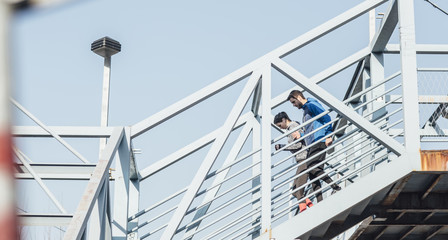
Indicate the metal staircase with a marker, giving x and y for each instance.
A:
(245, 192)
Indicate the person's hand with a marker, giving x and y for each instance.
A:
(328, 141)
(295, 135)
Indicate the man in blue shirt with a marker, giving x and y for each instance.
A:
(312, 108)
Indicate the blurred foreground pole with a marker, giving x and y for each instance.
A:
(8, 221)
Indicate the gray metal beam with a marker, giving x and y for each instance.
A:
(389, 23)
(256, 99)
(190, 101)
(67, 131)
(409, 81)
(78, 224)
(211, 156)
(28, 219)
(187, 150)
(282, 51)
(427, 132)
(121, 188)
(420, 48)
(266, 149)
(326, 27)
(422, 99)
(56, 171)
(327, 73)
(210, 195)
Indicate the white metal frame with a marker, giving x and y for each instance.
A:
(257, 74)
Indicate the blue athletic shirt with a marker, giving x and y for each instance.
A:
(311, 109)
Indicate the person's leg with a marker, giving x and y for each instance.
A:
(320, 170)
(316, 186)
(318, 156)
(299, 182)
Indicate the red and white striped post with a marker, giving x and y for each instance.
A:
(8, 219)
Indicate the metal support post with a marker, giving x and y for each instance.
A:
(266, 150)
(256, 171)
(121, 194)
(105, 98)
(134, 196)
(376, 76)
(409, 79)
(76, 229)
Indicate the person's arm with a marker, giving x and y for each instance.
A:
(294, 136)
(316, 110)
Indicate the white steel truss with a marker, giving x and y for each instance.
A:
(362, 146)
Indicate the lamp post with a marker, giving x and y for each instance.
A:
(105, 47)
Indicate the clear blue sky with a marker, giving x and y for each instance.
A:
(170, 49)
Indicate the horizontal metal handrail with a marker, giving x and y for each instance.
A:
(235, 222)
(220, 208)
(305, 136)
(244, 231)
(384, 105)
(334, 144)
(157, 204)
(232, 163)
(152, 219)
(288, 209)
(229, 234)
(339, 180)
(151, 233)
(307, 147)
(338, 118)
(295, 165)
(328, 159)
(323, 162)
(376, 97)
(219, 219)
(222, 194)
(228, 178)
(354, 159)
(432, 69)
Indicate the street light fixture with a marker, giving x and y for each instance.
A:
(105, 47)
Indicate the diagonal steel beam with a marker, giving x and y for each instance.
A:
(390, 21)
(211, 156)
(337, 105)
(187, 150)
(78, 223)
(39, 180)
(327, 73)
(190, 101)
(326, 27)
(236, 149)
(57, 137)
(236, 76)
